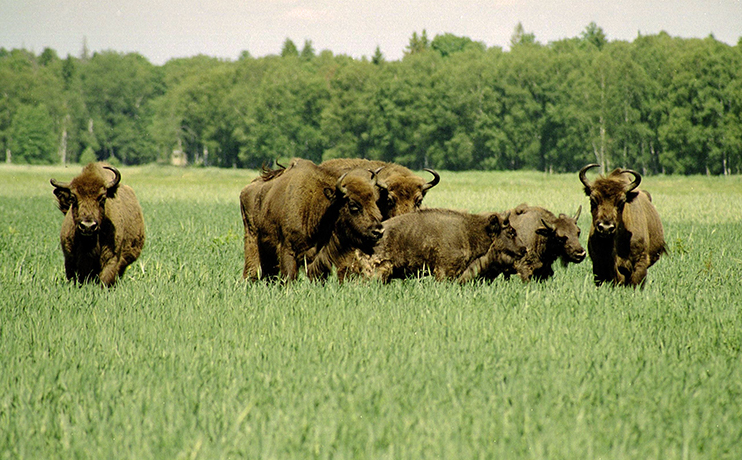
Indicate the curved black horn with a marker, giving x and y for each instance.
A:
(56, 184)
(433, 182)
(116, 176)
(577, 214)
(636, 182)
(375, 176)
(584, 170)
(339, 185)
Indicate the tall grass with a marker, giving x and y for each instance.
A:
(184, 360)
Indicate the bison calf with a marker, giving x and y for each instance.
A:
(626, 235)
(547, 238)
(450, 244)
(103, 228)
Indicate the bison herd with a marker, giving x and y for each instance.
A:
(365, 219)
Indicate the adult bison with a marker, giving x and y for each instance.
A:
(305, 212)
(547, 238)
(626, 236)
(405, 189)
(450, 244)
(103, 228)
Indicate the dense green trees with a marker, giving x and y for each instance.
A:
(657, 104)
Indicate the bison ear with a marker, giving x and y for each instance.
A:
(494, 226)
(64, 199)
(631, 196)
(521, 208)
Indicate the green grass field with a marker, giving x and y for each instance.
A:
(184, 360)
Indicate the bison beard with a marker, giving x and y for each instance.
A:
(626, 235)
(103, 229)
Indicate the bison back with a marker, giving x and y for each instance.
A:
(434, 239)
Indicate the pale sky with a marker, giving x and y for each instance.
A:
(164, 29)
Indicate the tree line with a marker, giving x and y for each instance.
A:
(658, 104)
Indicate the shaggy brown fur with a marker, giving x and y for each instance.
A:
(405, 189)
(103, 228)
(626, 235)
(306, 213)
(449, 244)
(251, 199)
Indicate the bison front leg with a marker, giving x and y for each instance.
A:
(287, 263)
(70, 267)
(110, 271)
(639, 275)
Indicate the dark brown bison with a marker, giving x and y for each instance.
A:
(449, 244)
(405, 189)
(305, 213)
(547, 238)
(626, 236)
(103, 228)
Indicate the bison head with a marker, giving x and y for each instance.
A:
(85, 197)
(504, 237)
(608, 196)
(406, 193)
(359, 218)
(565, 235)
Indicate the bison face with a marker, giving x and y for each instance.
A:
(359, 218)
(85, 197)
(606, 211)
(405, 193)
(565, 235)
(608, 196)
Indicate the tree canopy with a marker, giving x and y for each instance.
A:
(656, 104)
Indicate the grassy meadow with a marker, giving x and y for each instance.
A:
(184, 360)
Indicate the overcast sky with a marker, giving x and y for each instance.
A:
(164, 29)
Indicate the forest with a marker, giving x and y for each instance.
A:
(659, 104)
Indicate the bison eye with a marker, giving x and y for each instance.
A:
(354, 207)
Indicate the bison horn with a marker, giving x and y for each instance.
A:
(56, 184)
(339, 185)
(584, 170)
(637, 180)
(577, 214)
(548, 225)
(116, 176)
(433, 182)
(375, 176)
